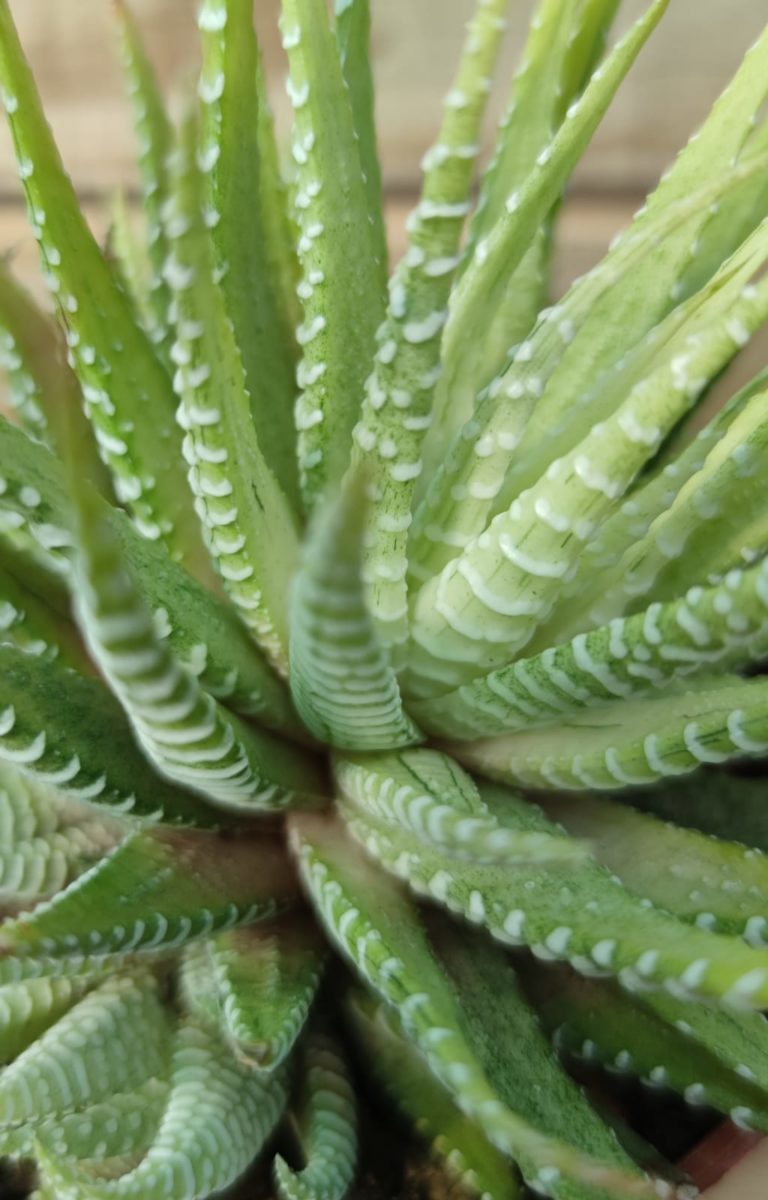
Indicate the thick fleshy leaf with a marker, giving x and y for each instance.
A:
(155, 137)
(564, 40)
(245, 514)
(630, 742)
(485, 605)
(718, 802)
(630, 309)
(711, 1057)
(578, 914)
(718, 884)
(342, 682)
(218, 1116)
(156, 891)
(232, 93)
(505, 1035)
(45, 840)
(454, 1138)
(327, 1119)
(257, 984)
(427, 794)
(201, 630)
(112, 1040)
(27, 1009)
(68, 731)
(190, 737)
(353, 36)
(709, 627)
(483, 284)
(397, 409)
(43, 385)
(376, 927)
(341, 288)
(27, 622)
(121, 377)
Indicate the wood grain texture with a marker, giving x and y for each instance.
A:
(71, 45)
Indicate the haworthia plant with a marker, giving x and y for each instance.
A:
(274, 535)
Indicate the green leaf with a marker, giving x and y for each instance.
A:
(340, 289)
(191, 738)
(103, 1134)
(398, 402)
(243, 510)
(578, 914)
(46, 384)
(378, 930)
(353, 35)
(487, 603)
(625, 659)
(477, 476)
(232, 92)
(63, 729)
(217, 1118)
(717, 884)
(506, 1037)
(155, 138)
(630, 309)
(121, 377)
(455, 1139)
(159, 889)
(201, 630)
(258, 984)
(717, 802)
(27, 1009)
(483, 284)
(563, 40)
(45, 840)
(342, 682)
(328, 1123)
(114, 1039)
(27, 622)
(633, 741)
(425, 793)
(711, 1057)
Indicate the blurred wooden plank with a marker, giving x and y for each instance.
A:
(71, 45)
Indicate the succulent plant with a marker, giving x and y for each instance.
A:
(328, 604)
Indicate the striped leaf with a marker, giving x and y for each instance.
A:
(156, 891)
(327, 1120)
(711, 1057)
(113, 1040)
(563, 41)
(426, 794)
(398, 402)
(45, 841)
(232, 93)
(217, 1117)
(579, 914)
(191, 738)
(200, 629)
(514, 1052)
(477, 478)
(28, 1009)
(353, 36)
(458, 1142)
(27, 622)
(257, 984)
(340, 289)
(241, 505)
(68, 731)
(724, 625)
(377, 929)
(155, 138)
(121, 377)
(342, 682)
(667, 733)
(716, 884)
